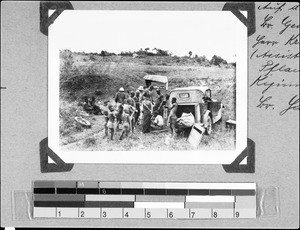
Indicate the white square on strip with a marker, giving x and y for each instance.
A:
(245, 213)
(229, 199)
(44, 212)
(159, 204)
(111, 213)
(89, 212)
(67, 212)
(222, 213)
(152, 213)
(134, 213)
(178, 213)
(199, 213)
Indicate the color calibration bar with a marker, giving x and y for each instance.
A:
(94, 199)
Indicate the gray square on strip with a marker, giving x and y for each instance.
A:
(87, 184)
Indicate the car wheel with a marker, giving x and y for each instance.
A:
(209, 126)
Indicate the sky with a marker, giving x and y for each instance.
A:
(202, 32)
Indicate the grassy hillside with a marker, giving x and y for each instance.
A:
(94, 75)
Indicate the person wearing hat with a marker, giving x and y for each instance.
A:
(141, 92)
(120, 96)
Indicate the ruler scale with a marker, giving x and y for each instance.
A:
(138, 200)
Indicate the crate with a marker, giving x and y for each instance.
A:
(230, 124)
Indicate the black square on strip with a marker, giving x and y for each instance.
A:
(44, 190)
(88, 191)
(199, 192)
(66, 190)
(65, 204)
(155, 192)
(243, 192)
(133, 191)
(109, 191)
(177, 192)
(220, 192)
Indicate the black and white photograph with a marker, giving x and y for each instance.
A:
(149, 114)
(148, 81)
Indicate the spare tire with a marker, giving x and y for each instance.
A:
(83, 122)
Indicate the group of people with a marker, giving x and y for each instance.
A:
(90, 106)
(139, 107)
(143, 106)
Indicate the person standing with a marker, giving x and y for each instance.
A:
(129, 109)
(147, 112)
(105, 112)
(130, 99)
(126, 125)
(111, 121)
(159, 103)
(151, 93)
(172, 119)
(136, 99)
(119, 115)
(141, 92)
(120, 96)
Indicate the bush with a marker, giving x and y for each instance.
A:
(90, 141)
(130, 54)
(67, 123)
(106, 54)
(202, 59)
(216, 60)
(160, 52)
(67, 66)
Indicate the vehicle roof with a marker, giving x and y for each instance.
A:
(158, 78)
(201, 88)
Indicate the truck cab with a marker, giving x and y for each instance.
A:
(158, 82)
(197, 100)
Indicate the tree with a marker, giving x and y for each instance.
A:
(216, 60)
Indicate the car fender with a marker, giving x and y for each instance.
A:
(218, 117)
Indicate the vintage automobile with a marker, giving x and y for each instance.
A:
(158, 82)
(197, 100)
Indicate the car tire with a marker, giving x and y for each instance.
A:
(208, 129)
